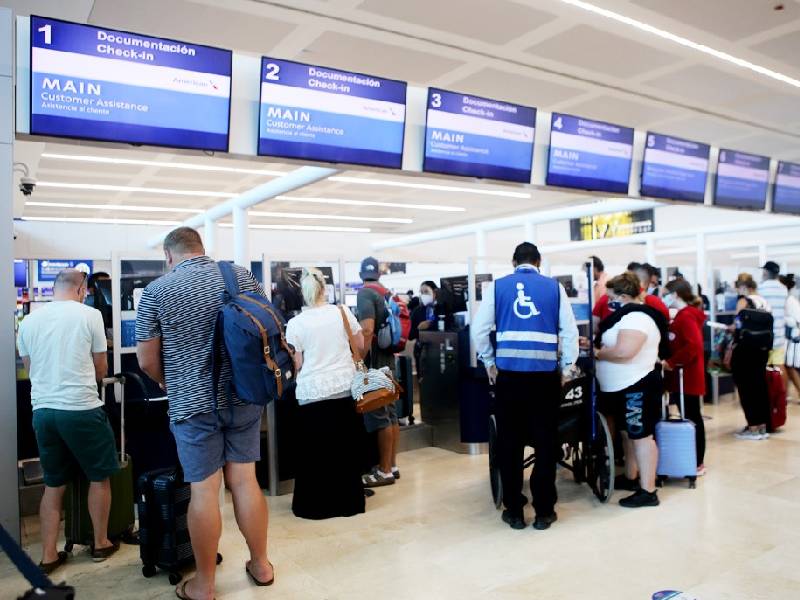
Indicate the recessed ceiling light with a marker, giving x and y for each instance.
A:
(305, 228)
(120, 207)
(161, 164)
(102, 187)
(345, 202)
(293, 215)
(428, 186)
(687, 43)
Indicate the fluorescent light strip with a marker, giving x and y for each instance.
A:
(729, 58)
(120, 207)
(343, 202)
(101, 187)
(428, 186)
(103, 221)
(254, 213)
(323, 228)
(281, 215)
(161, 164)
(99, 221)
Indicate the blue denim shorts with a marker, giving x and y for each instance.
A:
(209, 440)
(381, 418)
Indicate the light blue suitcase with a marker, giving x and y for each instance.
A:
(677, 452)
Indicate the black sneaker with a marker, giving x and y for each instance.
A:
(515, 521)
(621, 482)
(639, 499)
(542, 523)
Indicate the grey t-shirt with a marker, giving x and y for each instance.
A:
(371, 305)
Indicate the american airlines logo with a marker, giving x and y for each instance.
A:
(198, 83)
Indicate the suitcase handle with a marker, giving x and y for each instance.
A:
(665, 399)
(121, 379)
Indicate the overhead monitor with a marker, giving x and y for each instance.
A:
(742, 180)
(786, 197)
(315, 113)
(477, 137)
(589, 155)
(674, 168)
(104, 84)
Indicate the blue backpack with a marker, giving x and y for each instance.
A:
(252, 333)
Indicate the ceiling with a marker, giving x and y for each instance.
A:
(543, 53)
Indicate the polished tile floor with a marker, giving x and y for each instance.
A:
(435, 535)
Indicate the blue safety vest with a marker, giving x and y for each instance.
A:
(526, 306)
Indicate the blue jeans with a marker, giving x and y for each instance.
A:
(206, 442)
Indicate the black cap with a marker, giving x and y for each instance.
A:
(772, 267)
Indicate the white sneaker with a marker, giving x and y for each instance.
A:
(749, 435)
(701, 471)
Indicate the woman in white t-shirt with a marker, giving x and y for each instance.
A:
(630, 383)
(327, 463)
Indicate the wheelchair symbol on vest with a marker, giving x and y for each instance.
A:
(524, 307)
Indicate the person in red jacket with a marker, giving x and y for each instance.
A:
(602, 309)
(686, 343)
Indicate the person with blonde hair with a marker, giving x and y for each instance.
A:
(327, 465)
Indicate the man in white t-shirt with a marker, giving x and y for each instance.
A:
(63, 346)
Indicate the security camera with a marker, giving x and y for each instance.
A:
(27, 185)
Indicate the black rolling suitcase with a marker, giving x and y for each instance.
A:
(404, 373)
(164, 543)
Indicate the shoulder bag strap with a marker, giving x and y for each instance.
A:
(229, 275)
(350, 337)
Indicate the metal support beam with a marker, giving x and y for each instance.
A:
(702, 272)
(241, 237)
(530, 231)
(480, 250)
(762, 254)
(9, 500)
(210, 237)
(543, 216)
(282, 185)
(650, 251)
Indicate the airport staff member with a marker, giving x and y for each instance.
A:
(536, 333)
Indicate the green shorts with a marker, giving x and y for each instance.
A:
(74, 439)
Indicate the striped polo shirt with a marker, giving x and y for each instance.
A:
(775, 293)
(181, 308)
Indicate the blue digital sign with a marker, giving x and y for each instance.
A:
(674, 168)
(787, 188)
(589, 155)
(316, 113)
(48, 270)
(477, 137)
(103, 84)
(742, 180)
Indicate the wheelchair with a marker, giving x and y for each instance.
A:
(587, 446)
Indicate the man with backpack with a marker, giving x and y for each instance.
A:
(386, 324)
(214, 431)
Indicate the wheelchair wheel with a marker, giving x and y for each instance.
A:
(494, 468)
(601, 464)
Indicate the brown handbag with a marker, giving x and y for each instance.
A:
(372, 388)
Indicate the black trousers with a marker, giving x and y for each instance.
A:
(748, 367)
(527, 414)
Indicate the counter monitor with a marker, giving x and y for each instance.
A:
(674, 168)
(103, 84)
(589, 155)
(315, 113)
(477, 137)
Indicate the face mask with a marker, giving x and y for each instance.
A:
(615, 305)
(669, 299)
(426, 299)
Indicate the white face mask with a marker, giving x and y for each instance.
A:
(669, 300)
(426, 299)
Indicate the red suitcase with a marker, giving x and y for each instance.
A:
(776, 390)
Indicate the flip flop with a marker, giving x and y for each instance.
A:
(180, 592)
(48, 568)
(257, 581)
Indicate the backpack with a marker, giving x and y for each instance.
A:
(252, 333)
(392, 334)
(754, 327)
